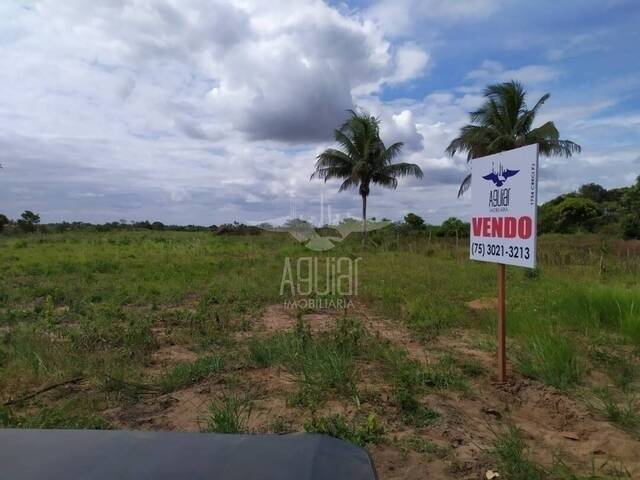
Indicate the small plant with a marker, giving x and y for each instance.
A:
(229, 415)
(472, 368)
(185, 374)
(444, 375)
(626, 414)
(303, 330)
(337, 426)
(280, 425)
(273, 350)
(532, 273)
(424, 445)
(512, 457)
(53, 417)
(551, 358)
(420, 416)
(349, 334)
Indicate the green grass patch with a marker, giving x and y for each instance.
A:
(190, 373)
(512, 457)
(369, 431)
(552, 358)
(63, 416)
(229, 415)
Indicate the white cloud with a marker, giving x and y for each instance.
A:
(208, 111)
(491, 71)
(400, 17)
(578, 44)
(411, 62)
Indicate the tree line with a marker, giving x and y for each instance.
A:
(593, 208)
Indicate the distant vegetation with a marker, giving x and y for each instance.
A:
(591, 209)
(594, 209)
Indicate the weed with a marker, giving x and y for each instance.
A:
(185, 374)
(420, 416)
(609, 471)
(55, 417)
(531, 273)
(280, 425)
(444, 375)
(337, 426)
(512, 458)
(328, 367)
(623, 368)
(424, 445)
(552, 358)
(229, 415)
(472, 368)
(280, 348)
(626, 413)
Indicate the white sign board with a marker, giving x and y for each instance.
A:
(504, 199)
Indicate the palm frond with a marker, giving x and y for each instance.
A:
(391, 152)
(350, 182)
(465, 185)
(504, 122)
(402, 170)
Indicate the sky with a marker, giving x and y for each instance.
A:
(209, 111)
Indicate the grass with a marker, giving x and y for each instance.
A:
(424, 446)
(98, 305)
(323, 363)
(186, 374)
(368, 431)
(512, 456)
(551, 358)
(513, 460)
(229, 415)
(624, 412)
(62, 416)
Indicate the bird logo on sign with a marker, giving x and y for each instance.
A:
(499, 177)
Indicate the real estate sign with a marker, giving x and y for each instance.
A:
(503, 211)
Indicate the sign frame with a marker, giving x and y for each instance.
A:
(513, 231)
(504, 204)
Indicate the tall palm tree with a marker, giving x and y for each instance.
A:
(504, 122)
(363, 159)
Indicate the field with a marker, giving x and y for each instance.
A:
(188, 331)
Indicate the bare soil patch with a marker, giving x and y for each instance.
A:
(455, 446)
(278, 318)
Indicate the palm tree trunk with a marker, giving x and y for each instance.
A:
(364, 219)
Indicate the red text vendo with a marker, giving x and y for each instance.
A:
(502, 227)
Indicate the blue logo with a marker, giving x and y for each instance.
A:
(500, 177)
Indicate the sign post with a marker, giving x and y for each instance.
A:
(502, 329)
(504, 203)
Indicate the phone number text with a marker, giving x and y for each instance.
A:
(495, 250)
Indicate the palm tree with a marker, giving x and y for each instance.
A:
(504, 122)
(363, 159)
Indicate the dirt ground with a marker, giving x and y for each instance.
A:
(552, 422)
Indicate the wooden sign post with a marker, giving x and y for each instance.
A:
(502, 333)
(504, 204)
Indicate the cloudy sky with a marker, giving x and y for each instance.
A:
(209, 111)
